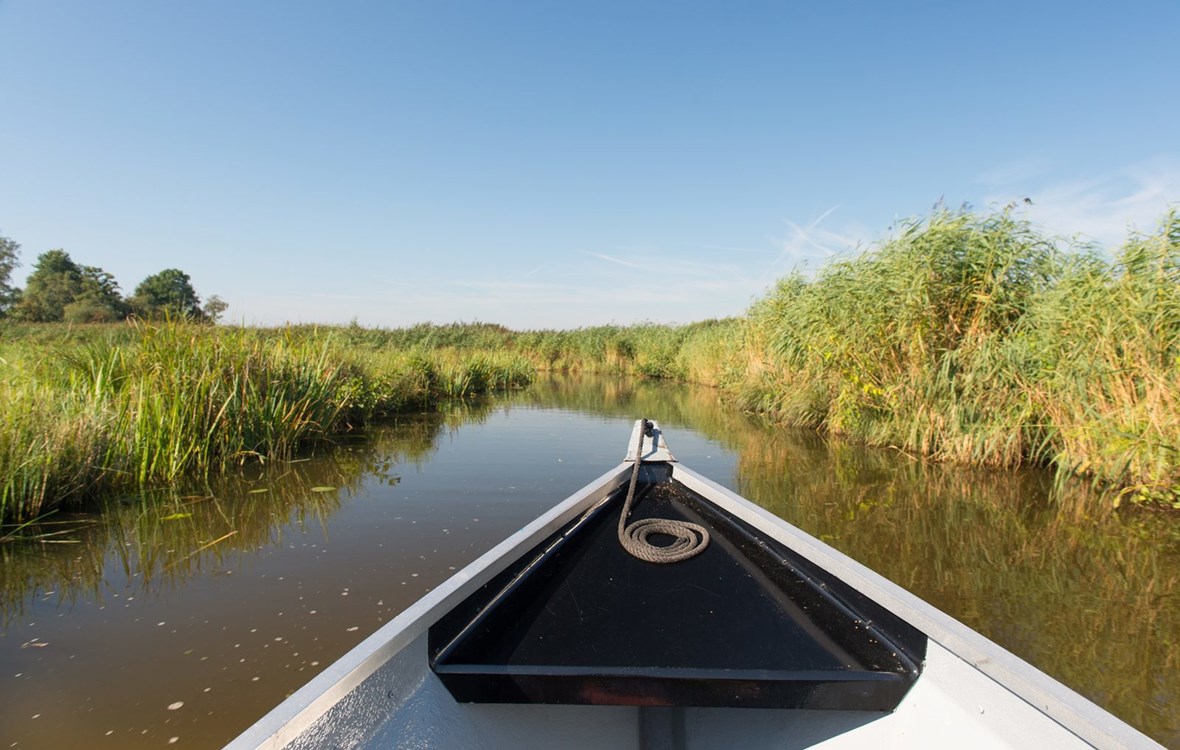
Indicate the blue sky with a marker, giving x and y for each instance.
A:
(543, 164)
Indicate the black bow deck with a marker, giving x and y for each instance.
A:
(746, 623)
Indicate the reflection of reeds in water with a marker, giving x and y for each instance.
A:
(70, 567)
(673, 404)
(1090, 600)
(162, 538)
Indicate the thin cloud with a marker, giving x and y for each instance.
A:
(1099, 208)
(814, 242)
(590, 290)
(613, 259)
(1016, 171)
(514, 286)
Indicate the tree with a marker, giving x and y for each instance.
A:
(8, 261)
(167, 293)
(54, 283)
(214, 307)
(98, 299)
(60, 289)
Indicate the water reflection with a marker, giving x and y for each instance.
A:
(163, 538)
(1089, 595)
(228, 595)
(1092, 601)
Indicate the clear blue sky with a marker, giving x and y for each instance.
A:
(549, 164)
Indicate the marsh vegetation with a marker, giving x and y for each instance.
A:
(967, 338)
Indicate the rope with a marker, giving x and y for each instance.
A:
(691, 538)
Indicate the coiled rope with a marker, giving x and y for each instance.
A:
(690, 538)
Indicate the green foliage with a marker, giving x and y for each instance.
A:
(214, 308)
(54, 283)
(974, 339)
(703, 352)
(144, 405)
(61, 290)
(1100, 354)
(9, 253)
(168, 293)
(98, 299)
(966, 338)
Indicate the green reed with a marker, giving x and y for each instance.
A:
(112, 411)
(975, 339)
(699, 352)
(967, 338)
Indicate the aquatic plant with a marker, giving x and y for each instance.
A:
(79, 418)
(964, 337)
(975, 339)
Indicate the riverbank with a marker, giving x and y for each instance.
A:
(965, 338)
(975, 339)
(85, 411)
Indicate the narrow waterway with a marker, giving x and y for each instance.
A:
(176, 620)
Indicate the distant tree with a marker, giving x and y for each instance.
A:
(54, 283)
(214, 307)
(98, 299)
(169, 292)
(8, 261)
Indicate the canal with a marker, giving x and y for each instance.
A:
(178, 618)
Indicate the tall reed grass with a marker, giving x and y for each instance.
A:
(965, 337)
(976, 339)
(699, 352)
(112, 412)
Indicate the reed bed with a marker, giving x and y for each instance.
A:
(975, 339)
(112, 412)
(965, 337)
(699, 352)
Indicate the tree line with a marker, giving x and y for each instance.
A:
(60, 290)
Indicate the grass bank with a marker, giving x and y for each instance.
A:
(971, 338)
(976, 339)
(965, 337)
(113, 407)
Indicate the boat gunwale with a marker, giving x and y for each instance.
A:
(1060, 703)
(290, 718)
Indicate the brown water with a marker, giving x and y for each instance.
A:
(179, 619)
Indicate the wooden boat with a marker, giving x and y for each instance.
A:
(762, 637)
